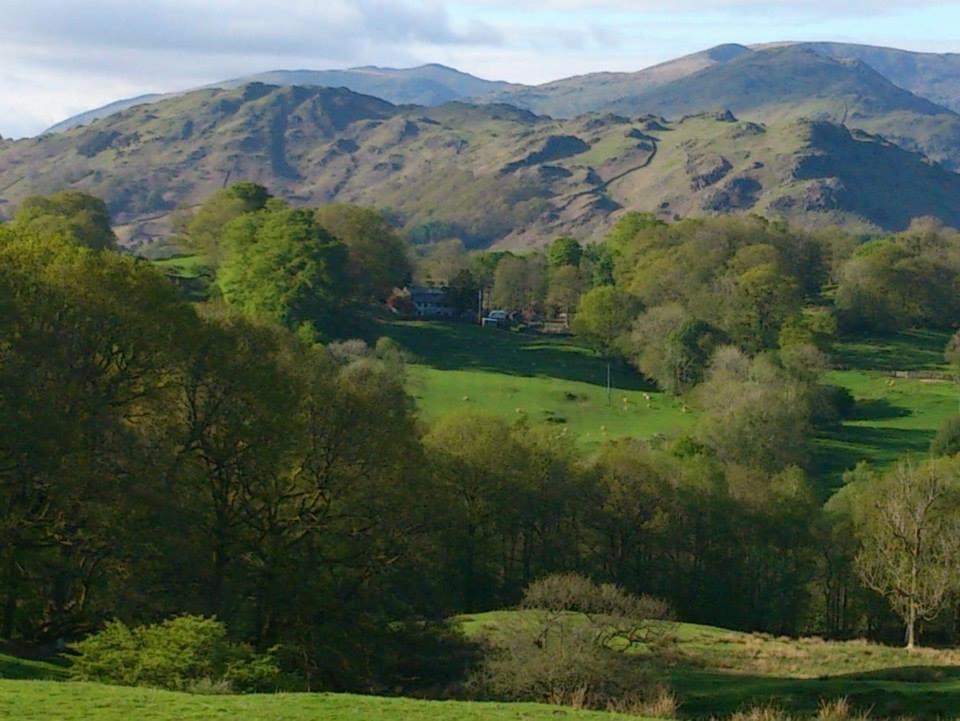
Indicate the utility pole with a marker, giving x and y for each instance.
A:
(609, 384)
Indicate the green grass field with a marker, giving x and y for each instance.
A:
(50, 701)
(894, 417)
(554, 379)
(716, 672)
(547, 378)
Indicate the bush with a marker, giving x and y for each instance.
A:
(571, 592)
(182, 654)
(947, 440)
(568, 648)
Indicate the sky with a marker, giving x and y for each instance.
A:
(61, 57)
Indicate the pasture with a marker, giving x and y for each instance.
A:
(557, 380)
(547, 379)
(716, 672)
(52, 701)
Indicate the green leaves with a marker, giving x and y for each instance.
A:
(282, 267)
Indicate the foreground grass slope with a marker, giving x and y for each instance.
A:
(716, 672)
(49, 701)
(15, 668)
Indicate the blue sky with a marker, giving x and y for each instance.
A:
(59, 57)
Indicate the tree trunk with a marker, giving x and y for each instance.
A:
(911, 627)
(10, 596)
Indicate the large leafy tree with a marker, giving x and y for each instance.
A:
(604, 316)
(282, 266)
(71, 215)
(910, 535)
(82, 382)
(378, 258)
(203, 229)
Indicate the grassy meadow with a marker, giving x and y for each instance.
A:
(545, 378)
(21, 669)
(716, 672)
(555, 379)
(50, 701)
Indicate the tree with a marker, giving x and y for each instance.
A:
(761, 301)
(564, 251)
(910, 537)
(564, 290)
(603, 316)
(283, 267)
(517, 283)
(463, 291)
(478, 464)
(83, 349)
(687, 353)
(204, 229)
(755, 415)
(69, 214)
(377, 260)
(947, 440)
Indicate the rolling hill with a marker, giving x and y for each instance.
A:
(935, 76)
(796, 82)
(490, 174)
(593, 92)
(425, 85)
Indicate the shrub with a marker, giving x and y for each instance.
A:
(568, 648)
(571, 592)
(183, 653)
(947, 440)
(657, 703)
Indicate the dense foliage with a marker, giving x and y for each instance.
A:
(159, 458)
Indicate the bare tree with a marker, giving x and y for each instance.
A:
(911, 542)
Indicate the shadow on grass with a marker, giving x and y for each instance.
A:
(877, 409)
(837, 451)
(918, 692)
(909, 350)
(460, 346)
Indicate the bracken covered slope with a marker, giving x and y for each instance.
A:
(490, 174)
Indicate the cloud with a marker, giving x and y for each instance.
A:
(80, 54)
(294, 28)
(733, 7)
(72, 55)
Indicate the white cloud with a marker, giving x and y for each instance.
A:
(59, 57)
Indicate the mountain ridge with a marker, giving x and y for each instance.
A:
(935, 76)
(490, 174)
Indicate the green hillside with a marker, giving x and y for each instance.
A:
(569, 97)
(21, 669)
(796, 82)
(546, 380)
(489, 174)
(46, 701)
(557, 381)
(716, 672)
(935, 76)
(424, 85)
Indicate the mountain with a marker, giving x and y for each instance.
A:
(105, 111)
(796, 82)
(589, 93)
(425, 85)
(490, 174)
(935, 76)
